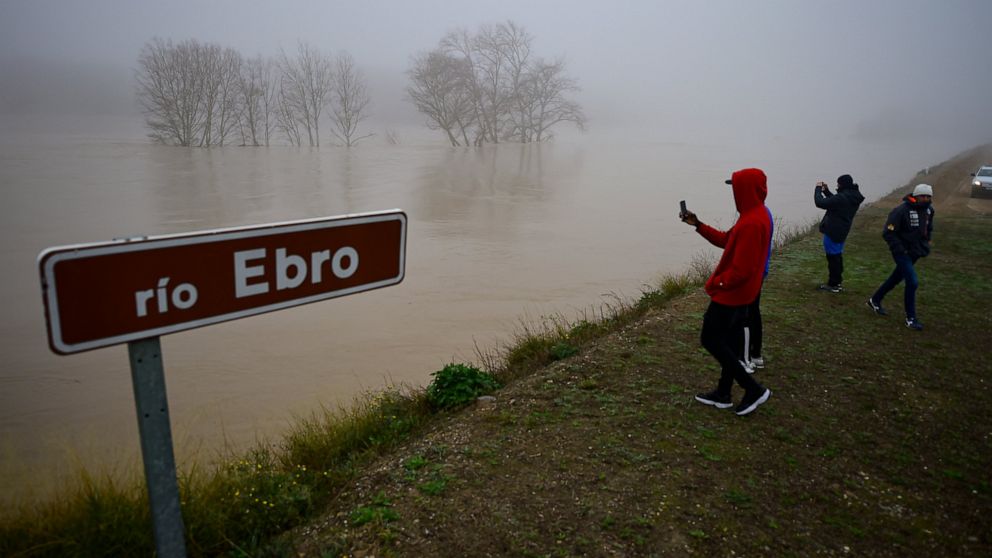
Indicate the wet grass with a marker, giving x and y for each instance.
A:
(234, 508)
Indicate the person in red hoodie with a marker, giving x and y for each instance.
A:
(734, 284)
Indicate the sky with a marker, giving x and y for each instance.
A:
(771, 68)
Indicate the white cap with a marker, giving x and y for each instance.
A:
(923, 190)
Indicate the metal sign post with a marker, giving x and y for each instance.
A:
(148, 377)
(133, 291)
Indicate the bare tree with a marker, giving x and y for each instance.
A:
(439, 92)
(515, 46)
(490, 49)
(305, 85)
(472, 82)
(287, 120)
(170, 85)
(189, 92)
(546, 105)
(223, 85)
(349, 100)
(258, 97)
(195, 94)
(488, 85)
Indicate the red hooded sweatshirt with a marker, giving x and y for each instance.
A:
(737, 278)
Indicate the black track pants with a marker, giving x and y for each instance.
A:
(722, 327)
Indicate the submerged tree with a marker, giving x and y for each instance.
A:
(304, 87)
(349, 100)
(544, 104)
(221, 75)
(189, 92)
(170, 86)
(489, 88)
(438, 92)
(257, 88)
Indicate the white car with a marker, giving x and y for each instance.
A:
(982, 182)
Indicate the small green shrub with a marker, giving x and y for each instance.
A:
(585, 330)
(529, 351)
(380, 510)
(562, 350)
(414, 463)
(435, 486)
(457, 384)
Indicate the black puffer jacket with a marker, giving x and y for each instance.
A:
(909, 228)
(841, 208)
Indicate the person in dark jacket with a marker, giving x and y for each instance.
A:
(836, 224)
(734, 284)
(908, 231)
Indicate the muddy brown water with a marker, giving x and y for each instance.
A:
(498, 236)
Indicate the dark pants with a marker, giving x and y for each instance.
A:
(835, 269)
(752, 321)
(904, 271)
(722, 326)
(747, 338)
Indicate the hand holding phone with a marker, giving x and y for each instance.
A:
(687, 216)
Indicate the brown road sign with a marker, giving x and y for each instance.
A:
(104, 294)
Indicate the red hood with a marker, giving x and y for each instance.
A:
(750, 189)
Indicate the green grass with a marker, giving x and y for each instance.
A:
(238, 506)
(875, 441)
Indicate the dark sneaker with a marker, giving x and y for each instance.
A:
(876, 307)
(831, 288)
(715, 399)
(752, 400)
(913, 323)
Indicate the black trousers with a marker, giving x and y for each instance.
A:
(752, 323)
(722, 332)
(835, 269)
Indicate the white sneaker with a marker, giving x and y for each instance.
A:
(748, 367)
(758, 362)
(751, 402)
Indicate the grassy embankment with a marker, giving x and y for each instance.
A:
(876, 440)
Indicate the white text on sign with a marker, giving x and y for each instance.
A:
(291, 271)
(182, 297)
(102, 294)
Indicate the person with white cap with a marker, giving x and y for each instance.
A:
(907, 231)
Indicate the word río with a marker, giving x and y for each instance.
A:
(183, 296)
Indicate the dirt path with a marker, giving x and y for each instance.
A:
(951, 183)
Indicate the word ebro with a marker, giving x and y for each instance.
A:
(291, 271)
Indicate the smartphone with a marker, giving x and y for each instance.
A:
(682, 208)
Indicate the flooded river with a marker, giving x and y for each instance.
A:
(497, 235)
